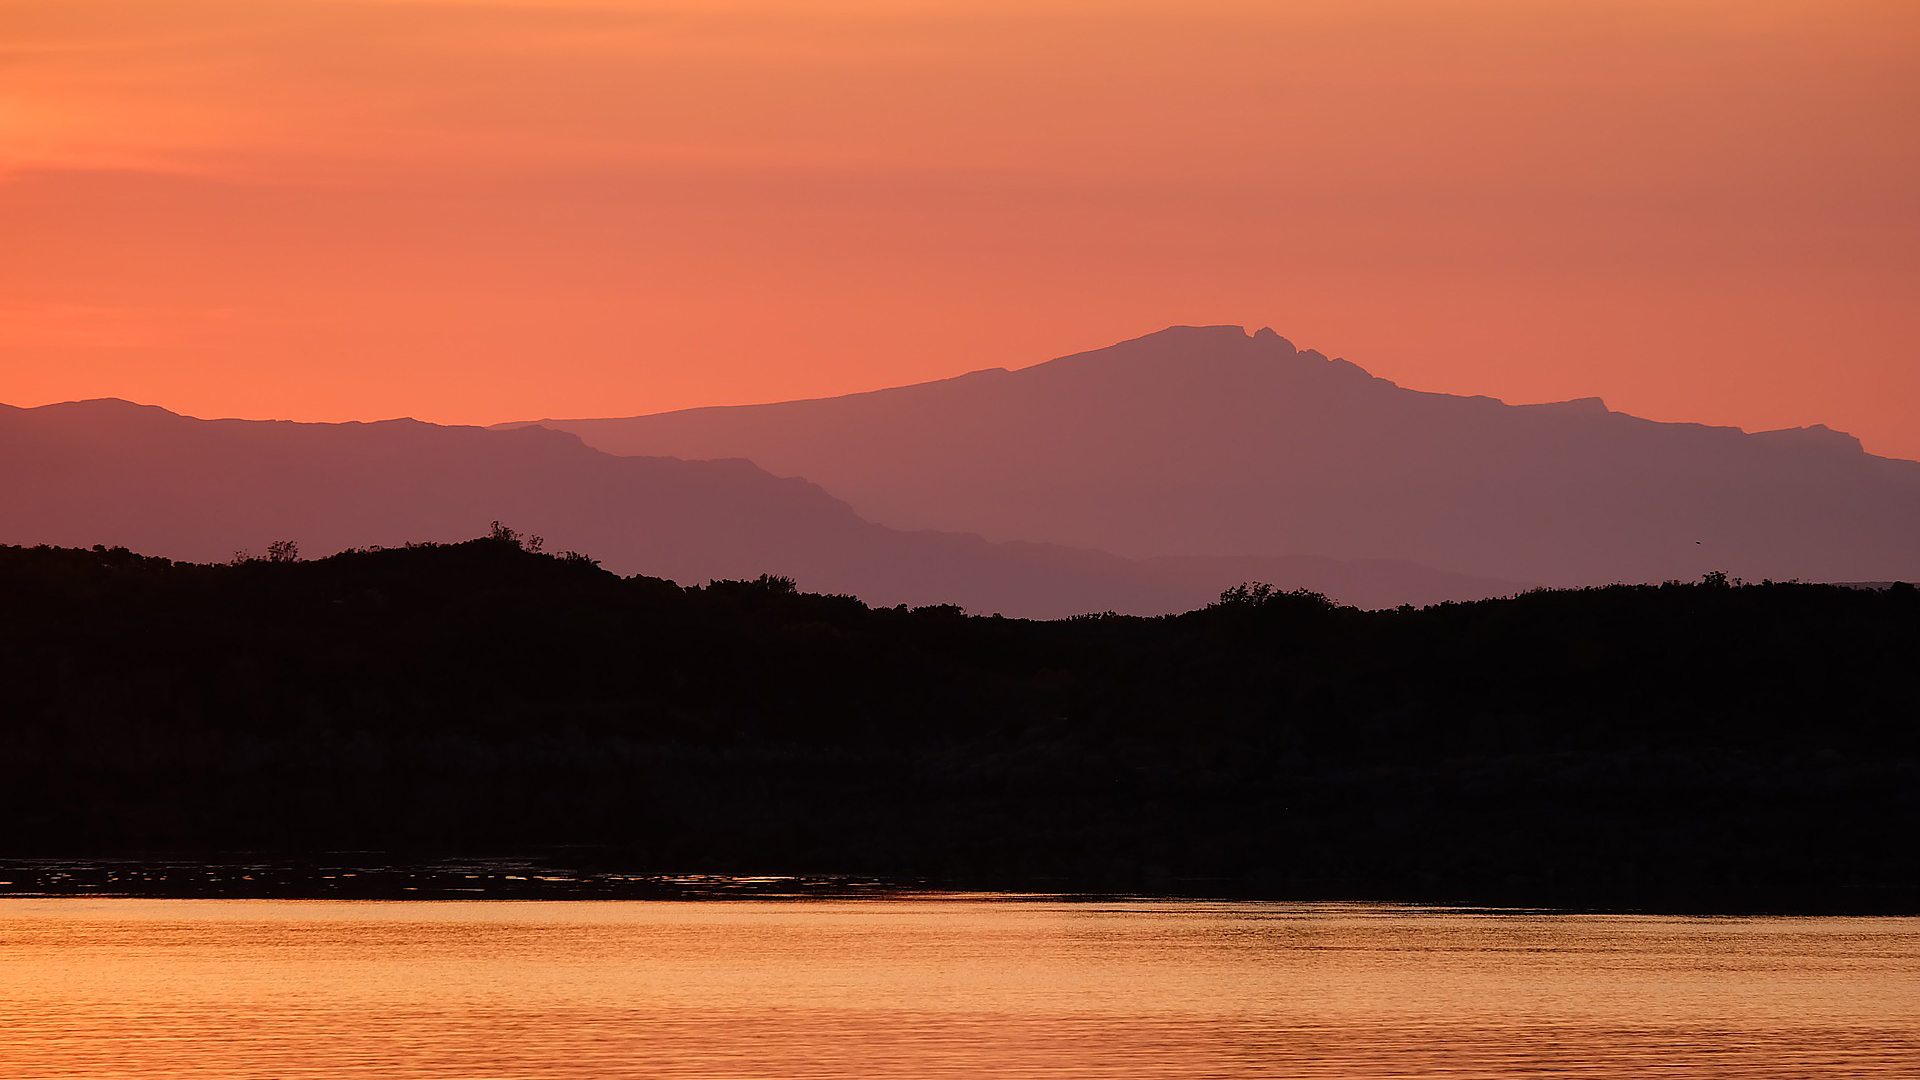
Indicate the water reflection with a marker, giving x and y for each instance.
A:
(939, 987)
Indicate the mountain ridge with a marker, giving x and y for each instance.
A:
(120, 473)
(1590, 403)
(1210, 440)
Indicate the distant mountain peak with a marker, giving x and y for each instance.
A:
(1592, 406)
(1221, 336)
(1178, 349)
(1815, 436)
(1218, 441)
(1197, 332)
(108, 405)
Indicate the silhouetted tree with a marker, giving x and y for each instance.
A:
(501, 533)
(1257, 595)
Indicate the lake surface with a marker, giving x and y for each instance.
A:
(939, 987)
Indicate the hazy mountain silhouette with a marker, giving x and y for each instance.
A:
(111, 472)
(1211, 441)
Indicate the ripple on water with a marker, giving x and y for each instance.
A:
(885, 988)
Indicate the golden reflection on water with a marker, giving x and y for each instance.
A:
(939, 988)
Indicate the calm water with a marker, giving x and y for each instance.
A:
(939, 988)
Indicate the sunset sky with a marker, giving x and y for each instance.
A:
(483, 210)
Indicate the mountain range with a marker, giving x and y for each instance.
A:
(1142, 478)
(1212, 441)
(116, 473)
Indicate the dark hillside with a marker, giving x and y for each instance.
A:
(1704, 745)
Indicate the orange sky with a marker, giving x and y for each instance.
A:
(478, 210)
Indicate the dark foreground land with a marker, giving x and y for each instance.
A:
(1711, 746)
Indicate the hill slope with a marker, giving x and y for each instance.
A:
(110, 472)
(1211, 441)
(1701, 745)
